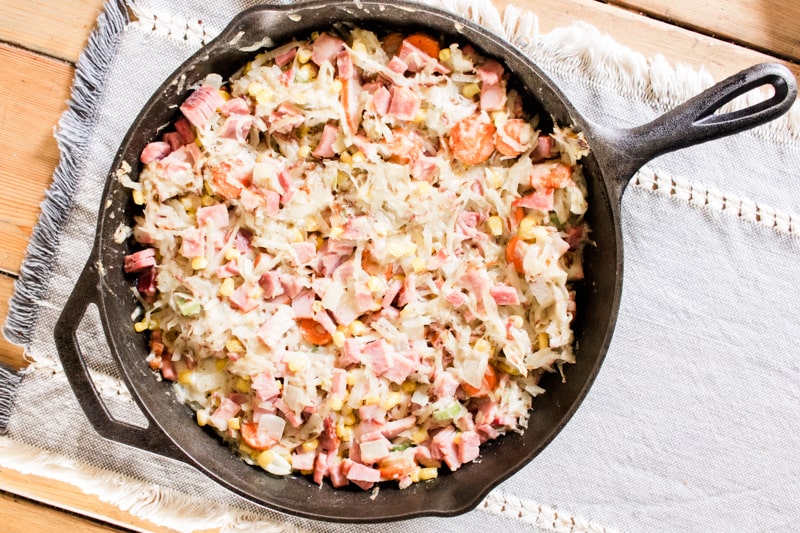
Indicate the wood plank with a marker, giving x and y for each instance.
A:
(33, 94)
(648, 36)
(10, 354)
(66, 496)
(58, 29)
(30, 516)
(766, 25)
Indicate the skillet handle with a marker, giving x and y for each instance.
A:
(152, 439)
(621, 152)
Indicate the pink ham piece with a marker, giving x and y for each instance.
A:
(285, 119)
(201, 105)
(235, 106)
(227, 409)
(240, 299)
(303, 304)
(339, 382)
(193, 243)
(168, 370)
(215, 214)
(236, 127)
(405, 103)
(397, 65)
(141, 260)
(377, 356)
(284, 58)
(403, 365)
(424, 168)
(326, 48)
(304, 461)
(228, 270)
(264, 386)
(445, 385)
(545, 149)
(304, 252)
(271, 284)
(490, 72)
(155, 151)
(394, 427)
(173, 139)
(184, 129)
(468, 446)
(424, 456)
(413, 57)
(276, 325)
(391, 292)
(325, 148)
(374, 447)
(444, 447)
(493, 97)
(504, 295)
(541, 200)
(360, 474)
(380, 101)
(272, 203)
(146, 284)
(351, 352)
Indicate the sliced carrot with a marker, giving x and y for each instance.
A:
(558, 178)
(519, 214)
(426, 43)
(250, 436)
(313, 332)
(488, 384)
(515, 253)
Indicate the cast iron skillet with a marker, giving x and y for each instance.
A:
(616, 155)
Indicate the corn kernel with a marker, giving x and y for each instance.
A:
(207, 200)
(420, 115)
(374, 283)
(296, 365)
(338, 338)
(359, 157)
(224, 94)
(303, 55)
(202, 417)
(482, 346)
(336, 87)
(470, 90)
(335, 403)
(392, 399)
(303, 151)
(495, 179)
(297, 236)
(409, 386)
(314, 35)
(418, 265)
(428, 473)
(316, 306)
(372, 399)
(305, 73)
(310, 445)
(221, 364)
(527, 228)
(234, 345)
(242, 385)
(414, 475)
(232, 253)
(495, 224)
(226, 288)
(544, 340)
(199, 263)
(312, 224)
(138, 197)
(185, 378)
(349, 419)
(351, 379)
(140, 326)
(255, 292)
(153, 324)
(343, 432)
(265, 458)
(444, 55)
(420, 436)
(346, 158)
(336, 232)
(247, 450)
(356, 328)
(234, 423)
(516, 321)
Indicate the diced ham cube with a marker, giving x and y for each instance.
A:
(339, 382)
(184, 129)
(445, 385)
(391, 292)
(394, 427)
(304, 461)
(235, 106)
(193, 243)
(490, 72)
(215, 214)
(412, 56)
(424, 456)
(304, 252)
(403, 365)
(424, 168)
(168, 370)
(155, 151)
(358, 472)
(173, 139)
(405, 103)
(228, 270)
(374, 448)
(264, 386)
(468, 446)
(444, 447)
(455, 298)
(227, 409)
(397, 65)
(337, 475)
(141, 260)
(493, 97)
(380, 101)
(541, 200)
(201, 104)
(237, 127)
(545, 148)
(303, 304)
(504, 295)
(321, 467)
(292, 285)
(377, 356)
(286, 57)
(328, 440)
(284, 119)
(240, 299)
(351, 352)
(325, 148)
(271, 284)
(146, 284)
(272, 203)
(276, 325)
(326, 48)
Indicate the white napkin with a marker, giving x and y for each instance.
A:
(692, 422)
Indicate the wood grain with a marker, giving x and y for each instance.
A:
(766, 25)
(56, 28)
(10, 354)
(33, 94)
(649, 36)
(29, 516)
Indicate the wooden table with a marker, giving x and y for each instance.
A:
(40, 41)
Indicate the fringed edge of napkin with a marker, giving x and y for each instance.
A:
(72, 134)
(9, 381)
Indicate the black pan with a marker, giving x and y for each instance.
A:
(616, 155)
